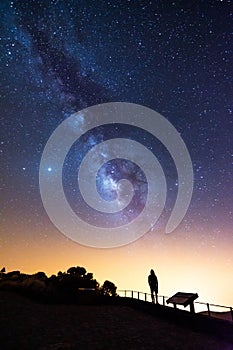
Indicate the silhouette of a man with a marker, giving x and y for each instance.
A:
(153, 283)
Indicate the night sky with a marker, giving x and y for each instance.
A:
(174, 57)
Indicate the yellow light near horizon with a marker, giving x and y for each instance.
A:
(180, 264)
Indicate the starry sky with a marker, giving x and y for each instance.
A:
(174, 57)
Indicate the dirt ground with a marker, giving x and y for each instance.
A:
(28, 325)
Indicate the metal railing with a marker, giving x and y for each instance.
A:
(162, 300)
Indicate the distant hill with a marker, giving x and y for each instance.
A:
(223, 315)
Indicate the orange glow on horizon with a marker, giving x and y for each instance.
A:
(181, 264)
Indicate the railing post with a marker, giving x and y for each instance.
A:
(132, 293)
(138, 294)
(145, 296)
(231, 313)
(163, 300)
(208, 308)
(125, 293)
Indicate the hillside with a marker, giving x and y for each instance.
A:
(222, 315)
(28, 325)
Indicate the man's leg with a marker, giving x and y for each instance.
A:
(152, 295)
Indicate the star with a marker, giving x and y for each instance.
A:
(59, 58)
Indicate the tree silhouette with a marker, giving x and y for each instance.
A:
(2, 272)
(75, 285)
(80, 271)
(41, 276)
(77, 271)
(108, 289)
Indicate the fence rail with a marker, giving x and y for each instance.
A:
(147, 297)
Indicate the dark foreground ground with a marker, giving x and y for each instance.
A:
(28, 325)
